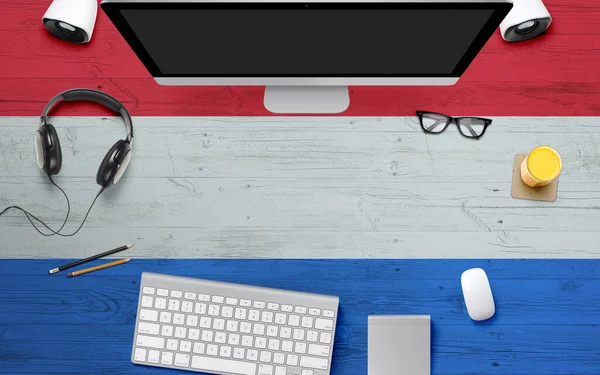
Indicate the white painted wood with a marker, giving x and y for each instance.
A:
(304, 187)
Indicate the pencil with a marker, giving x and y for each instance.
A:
(89, 259)
(100, 267)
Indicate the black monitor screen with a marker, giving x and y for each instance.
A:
(314, 40)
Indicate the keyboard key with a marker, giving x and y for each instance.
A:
(259, 304)
(233, 339)
(259, 329)
(300, 310)
(253, 315)
(279, 358)
(140, 354)
(148, 315)
(212, 349)
(185, 346)
(312, 362)
(153, 356)
(148, 328)
(172, 344)
(240, 313)
(287, 346)
(207, 335)
(178, 319)
(205, 322)
(328, 313)
(307, 372)
(148, 290)
(245, 327)
(247, 340)
(227, 312)
(272, 331)
(307, 322)
(312, 336)
(287, 308)
(294, 320)
(147, 301)
(193, 334)
(180, 332)
(187, 306)
(280, 370)
(232, 326)
(300, 348)
(280, 318)
(285, 333)
(162, 292)
(150, 342)
(219, 324)
(199, 347)
(326, 324)
(200, 308)
(313, 311)
(176, 294)
(319, 350)
(218, 299)
(265, 356)
(189, 295)
(221, 337)
(272, 306)
(173, 305)
(231, 301)
(245, 303)
(325, 338)
(267, 317)
(165, 317)
(252, 354)
(260, 343)
(265, 369)
(160, 303)
(213, 310)
(225, 351)
(273, 344)
(220, 365)
(167, 331)
(182, 360)
(191, 320)
(238, 353)
(298, 334)
(292, 360)
(166, 358)
(203, 297)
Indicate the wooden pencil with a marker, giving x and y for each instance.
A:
(100, 267)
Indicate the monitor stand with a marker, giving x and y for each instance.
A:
(306, 99)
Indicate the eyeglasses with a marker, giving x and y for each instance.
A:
(470, 127)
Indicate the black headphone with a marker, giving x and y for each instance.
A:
(47, 144)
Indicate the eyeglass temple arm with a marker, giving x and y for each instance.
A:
(471, 130)
(436, 124)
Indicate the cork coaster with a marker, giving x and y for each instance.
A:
(521, 191)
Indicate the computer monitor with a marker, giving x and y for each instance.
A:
(306, 53)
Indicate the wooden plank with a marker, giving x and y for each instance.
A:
(304, 187)
(546, 309)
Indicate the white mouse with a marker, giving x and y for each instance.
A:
(478, 294)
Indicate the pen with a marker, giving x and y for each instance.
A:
(93, 257)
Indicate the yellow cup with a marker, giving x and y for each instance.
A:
(541, 166)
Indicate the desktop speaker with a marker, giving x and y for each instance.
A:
(527, 19)
(71, 20)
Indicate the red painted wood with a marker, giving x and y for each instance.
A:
(554, 75)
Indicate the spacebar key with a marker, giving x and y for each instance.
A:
(223, 365)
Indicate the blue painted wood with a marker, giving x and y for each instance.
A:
(547, 320)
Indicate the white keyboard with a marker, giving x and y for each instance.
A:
(232, 329)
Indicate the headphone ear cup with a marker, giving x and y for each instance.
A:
(111, 164)
(47, 149)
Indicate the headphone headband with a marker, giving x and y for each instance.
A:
(91, 96)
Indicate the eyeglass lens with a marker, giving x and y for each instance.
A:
(434, 123)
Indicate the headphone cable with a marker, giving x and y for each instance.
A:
(29, 215)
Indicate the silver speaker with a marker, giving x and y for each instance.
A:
(527, 19)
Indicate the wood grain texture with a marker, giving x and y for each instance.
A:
(547, 319)
(304, 187)
(553, 75)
